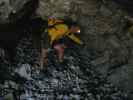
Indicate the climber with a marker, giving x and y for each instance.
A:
(59, 32)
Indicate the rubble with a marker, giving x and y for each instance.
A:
(24, 71)
(76, 79)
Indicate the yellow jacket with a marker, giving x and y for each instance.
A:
(61, 30)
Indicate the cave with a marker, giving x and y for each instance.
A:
(101, 69)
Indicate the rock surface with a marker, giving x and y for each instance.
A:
(104, 29)
(74, 79)
(13, 10)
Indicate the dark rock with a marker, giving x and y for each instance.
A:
(9, 97)
(123, 77)
(125, 4)
(13, 10)
(107, 41)
(24, 71)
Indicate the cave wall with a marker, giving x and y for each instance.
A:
(105, 32)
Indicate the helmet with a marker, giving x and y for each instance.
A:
(53, 21)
